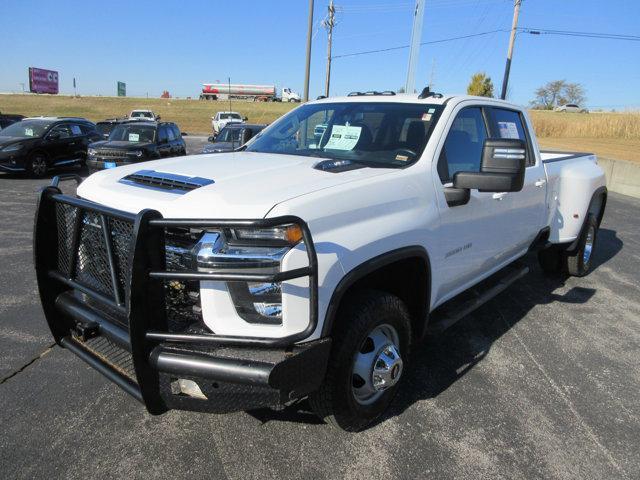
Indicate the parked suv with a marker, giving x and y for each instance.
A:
(136, 141)
(34, 145)
(231, 137)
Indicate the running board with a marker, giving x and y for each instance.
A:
(459, 307)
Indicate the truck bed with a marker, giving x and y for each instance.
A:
(549, 156)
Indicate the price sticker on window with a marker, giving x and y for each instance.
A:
(134, 137)
(343, 137)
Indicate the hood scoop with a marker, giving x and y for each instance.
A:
(337, 166)
(169, 182)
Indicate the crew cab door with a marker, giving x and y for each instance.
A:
(523, 211)
(471, 236)
(164, 145)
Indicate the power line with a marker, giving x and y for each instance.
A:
(442, 40)
(568, 33)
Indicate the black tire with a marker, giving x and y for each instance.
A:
(361, 314)
(550, 260)
(578, 263)
(37, 165)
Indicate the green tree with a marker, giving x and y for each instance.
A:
(480, 85)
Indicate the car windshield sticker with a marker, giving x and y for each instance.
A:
(508, 130)
(134, 137)
(28, 132)
(426, 117)
(75, 129)
(343, 137)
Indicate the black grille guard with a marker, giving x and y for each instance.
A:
(140, 302)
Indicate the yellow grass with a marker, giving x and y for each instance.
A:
(586, 125)
(193, 116)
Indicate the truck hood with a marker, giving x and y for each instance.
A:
(246, 184)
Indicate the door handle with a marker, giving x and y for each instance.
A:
(499, 196)
(540, 183)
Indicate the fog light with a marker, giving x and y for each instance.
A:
(269, 310)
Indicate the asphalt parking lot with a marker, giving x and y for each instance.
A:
(541, 382)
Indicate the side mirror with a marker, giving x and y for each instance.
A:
(184, 134)
(211, 139)
(502, 169)
(244, 119)
(245, 135)
(157, 117)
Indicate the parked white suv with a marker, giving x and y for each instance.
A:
(310, 262)
(221, 119)
(144, 115)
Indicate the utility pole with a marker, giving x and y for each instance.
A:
(329, 23)
(308, 66)
(416, 35)
(512, 40)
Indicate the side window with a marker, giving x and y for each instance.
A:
(162, 134)
(462, 150)
(170, 135)
(76, 131)
(62, 130)
(176, 132)
(509, 124)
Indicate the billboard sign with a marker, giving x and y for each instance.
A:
(122, 89)
(43, 81)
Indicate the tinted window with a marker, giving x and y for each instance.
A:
(63, 131)
(508, 124)
(462, 151)
(176, 132)
(76, 130)
(27, 128)
(130, 132)
(170, 135)
(162, 134)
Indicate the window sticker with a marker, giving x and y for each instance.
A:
(28, 132)
(426, 117)
(508, 130)
(75, 129)
(134, 137)
(343, 137)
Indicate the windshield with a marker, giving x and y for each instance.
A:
(375, 134)
(133, 133)
(229, 116)
(141, 115)
(26, 128)
(229, 135)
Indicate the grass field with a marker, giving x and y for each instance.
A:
(192, 116)
(611, 135)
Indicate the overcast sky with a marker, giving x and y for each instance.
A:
(154, 45)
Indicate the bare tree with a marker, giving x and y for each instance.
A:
(573, 93)
(558, 92)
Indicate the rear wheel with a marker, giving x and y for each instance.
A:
(370, 341)
(38, 165)
(578, 263)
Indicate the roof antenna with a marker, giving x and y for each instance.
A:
(425, 93)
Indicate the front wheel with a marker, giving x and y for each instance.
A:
(38, 165)
(370, 345)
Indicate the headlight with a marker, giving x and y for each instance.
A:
(92, 151)
(13, 148)
(249, 250)
(135, 153)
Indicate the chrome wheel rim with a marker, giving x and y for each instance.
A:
(38, 166)
(377, 365)
(588, 245)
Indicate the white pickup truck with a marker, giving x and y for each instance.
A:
(221, 119)
(308, 265)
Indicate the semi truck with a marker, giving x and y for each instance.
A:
(257, 93)
(304, 266)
